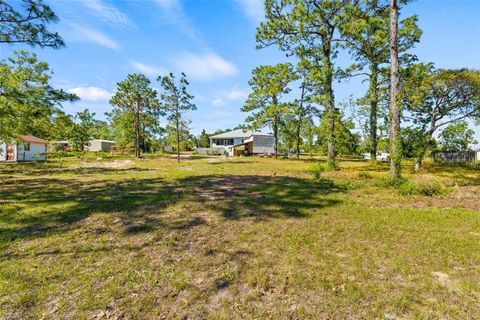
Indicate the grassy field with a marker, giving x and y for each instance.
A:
(237, 238)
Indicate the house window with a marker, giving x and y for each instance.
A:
(26, 146)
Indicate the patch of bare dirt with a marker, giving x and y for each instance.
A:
(116, 164)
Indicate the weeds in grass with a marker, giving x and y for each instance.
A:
(425, 188)
(364, 175)
(317, 169)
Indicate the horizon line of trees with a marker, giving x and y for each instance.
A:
(433, 102)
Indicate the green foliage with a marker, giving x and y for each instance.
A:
(175, 101)
(364, 175)
(346, 141)
(308, 30)
(428, 188)
(317, 169)
(204, 139)
(413, 141)
(136, 109)
(437, 97)
(81, 131)
(457, 137)
(29, 25)
(367, 38)
(28, 103)
(268, 84)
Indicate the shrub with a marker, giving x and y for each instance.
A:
(426, 188)
(364, 175)
(318, 169)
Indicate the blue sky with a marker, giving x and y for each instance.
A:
(213, 41)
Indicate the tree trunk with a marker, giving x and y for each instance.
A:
(300, 118)
(395, 142)
(177, 125)
(136, 125)
(373, 93)
(329, 100)
(298, 139)
(421, 156)
(275, 128)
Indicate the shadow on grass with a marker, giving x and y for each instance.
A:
(38, 170)
(261, 197)
(48, 205)
(44, 206)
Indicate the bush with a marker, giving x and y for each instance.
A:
(318, 169)
(426, 188)
(364, 175)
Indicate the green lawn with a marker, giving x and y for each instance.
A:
(236, 238)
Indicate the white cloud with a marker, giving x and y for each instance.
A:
(108, 12)
(173, 14)
(237, 95)
(88, 34)
(253, 9)
(232, 95)
(218, 102)
(206, 66)
(147, 69)
(91, 93)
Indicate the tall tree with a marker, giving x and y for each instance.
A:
(175, 101)
(436, 98)
(366, 36)
(135, 96)
(268, 84)
(28, 102)
(309, 30)
(395, 138)
(29, 25)
(303, 108)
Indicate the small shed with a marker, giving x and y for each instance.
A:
(24, 148)
(100, 145)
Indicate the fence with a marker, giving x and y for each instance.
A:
(454, 157)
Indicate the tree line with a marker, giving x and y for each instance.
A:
(312, 33)
(407, 103)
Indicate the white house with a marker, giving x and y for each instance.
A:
(240, 142)
(25, 148)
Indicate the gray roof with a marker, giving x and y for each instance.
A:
(238, 133)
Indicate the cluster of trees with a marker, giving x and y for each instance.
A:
(312, 33)
(136, 105)
(296, 99)
(30, 105)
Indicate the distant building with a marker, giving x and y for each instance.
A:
(381, 156)
(25, 148)
(100, 145)
(239, 142)
(456, 156)
(62, 145)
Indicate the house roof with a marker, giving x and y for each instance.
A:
(238, 133)
(32, 139)
(102, 140)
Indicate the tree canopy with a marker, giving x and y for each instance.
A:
(26, 22)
